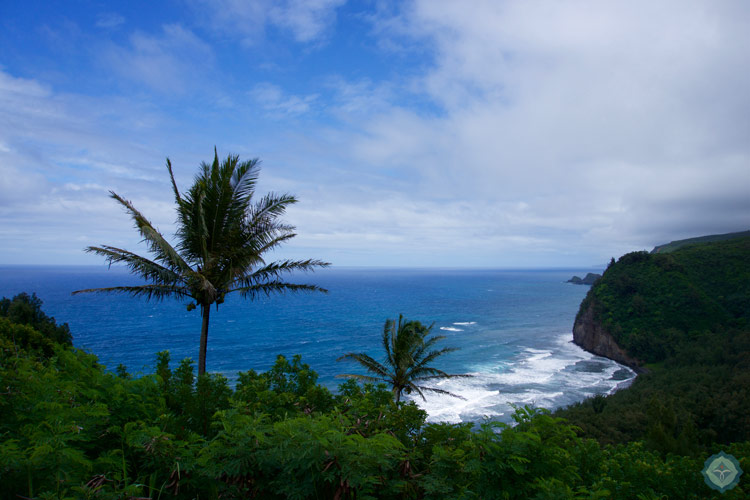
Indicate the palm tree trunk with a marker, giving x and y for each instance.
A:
(205, 310)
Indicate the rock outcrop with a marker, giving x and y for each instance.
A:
(589, 334)
(590, 279)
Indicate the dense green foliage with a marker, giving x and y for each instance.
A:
(408, 347)
(685, 314)
(697, 397)
(25, 309)
(223, 233)
(71, 429)
(653, 303)
(674, 245)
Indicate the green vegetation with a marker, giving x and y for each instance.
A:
(698, 397)
(654, 303)
(70, 430)
(222, 235)
(674, 245)
(26, 310)
(407, 354)
(685, 314)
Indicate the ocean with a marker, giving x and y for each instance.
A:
(512, 328)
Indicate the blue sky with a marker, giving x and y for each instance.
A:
(415, 133)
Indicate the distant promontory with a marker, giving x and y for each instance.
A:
(590, 279)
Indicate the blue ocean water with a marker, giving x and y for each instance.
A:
(513, 329)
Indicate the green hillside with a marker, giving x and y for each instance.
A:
(686, 315)
(674, 245)
(651, 303)
(70, 429)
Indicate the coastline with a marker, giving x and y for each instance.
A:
(591, 336)
(551, 376)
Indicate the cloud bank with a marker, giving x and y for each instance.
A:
(494, 134)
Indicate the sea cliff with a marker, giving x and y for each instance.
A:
(590, 335)
(646, 306)
(683, 316)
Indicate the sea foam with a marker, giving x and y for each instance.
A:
(547, 378)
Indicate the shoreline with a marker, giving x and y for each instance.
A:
(552, 376)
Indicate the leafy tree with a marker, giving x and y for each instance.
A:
(72, 429)
(285, 389)
(652, 303)
(408, 354)
(25, 309)
(222, 236)
(15, 337)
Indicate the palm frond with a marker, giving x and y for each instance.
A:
(192, 230)
(364, 378)
(270, 207)
(137, 264)
(200, 230)
(217, 204)
(435, 374)
(418, 390)
(274, 271)
(423, 360)
(271, 287)
(264, 242)
(441, 391)
(244, 180)
(158, 292)
(388, 334)
(430, 373)
(177, 197)
(368, 363)
(427, 343)
(263, 229)
(157, 244)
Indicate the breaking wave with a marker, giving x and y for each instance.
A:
(549, 378)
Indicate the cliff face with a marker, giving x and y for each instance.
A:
(591, 336)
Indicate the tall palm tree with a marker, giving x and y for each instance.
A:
(222, 235)
(407, 357)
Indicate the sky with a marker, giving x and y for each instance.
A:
(430, 133)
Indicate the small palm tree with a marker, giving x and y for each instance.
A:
(407, 357)
(222, 235)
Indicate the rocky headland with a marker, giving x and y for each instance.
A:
(589, 279)
(590, 334)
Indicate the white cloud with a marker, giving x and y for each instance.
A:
(173, 62)
(387, 227)
(306, 20)
(621, 104)
(59, 152)
(355, 99)
(527, 133)
(17, 185)
(273, 99)
(109, 20)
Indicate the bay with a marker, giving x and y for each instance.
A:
(513, 328)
